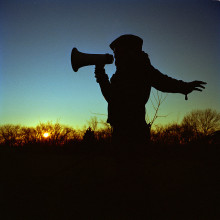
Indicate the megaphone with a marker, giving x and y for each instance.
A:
(79, 59)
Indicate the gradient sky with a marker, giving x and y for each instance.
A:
(37, 83)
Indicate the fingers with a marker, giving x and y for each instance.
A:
(200, 82)
(200, 86)
(99, 66)
(196, 86)
(197, 89)
(99, 71)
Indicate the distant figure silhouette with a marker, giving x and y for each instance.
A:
(89, 136)
(129, 88)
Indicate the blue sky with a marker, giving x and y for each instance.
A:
(37, 83)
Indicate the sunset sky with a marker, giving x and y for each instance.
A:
(37, 83)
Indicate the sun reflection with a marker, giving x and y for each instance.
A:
(46, 134)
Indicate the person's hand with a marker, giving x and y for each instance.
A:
(194, 86)
(99, 72)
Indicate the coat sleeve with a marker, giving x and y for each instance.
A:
(103, 80)
(165, 83)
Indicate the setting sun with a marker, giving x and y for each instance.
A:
(46, 134)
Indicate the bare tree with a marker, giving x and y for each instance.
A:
(28, 135)
(159, 98)
(205, 121)
(57, 133)
(93, 123)
(10, 134)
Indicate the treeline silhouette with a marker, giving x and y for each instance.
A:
(58, 172)
(197, 126)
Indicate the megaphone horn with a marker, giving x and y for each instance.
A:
(79, 59)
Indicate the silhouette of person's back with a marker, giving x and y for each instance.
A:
(128, 90)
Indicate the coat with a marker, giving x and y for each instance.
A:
(128, 91)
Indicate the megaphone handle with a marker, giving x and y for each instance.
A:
(100, 73)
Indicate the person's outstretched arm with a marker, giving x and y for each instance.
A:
(165, 83)
(103, 80)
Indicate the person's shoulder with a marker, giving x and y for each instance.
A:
(145, 58)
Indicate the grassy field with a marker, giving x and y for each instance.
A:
(158, 182)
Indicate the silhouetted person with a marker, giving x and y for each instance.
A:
(129, 88)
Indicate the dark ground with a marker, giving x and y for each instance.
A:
(178, 182)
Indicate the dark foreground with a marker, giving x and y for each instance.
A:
(178, 182)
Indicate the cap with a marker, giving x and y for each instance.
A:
(127, 41)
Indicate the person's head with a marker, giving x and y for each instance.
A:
(126, 48)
